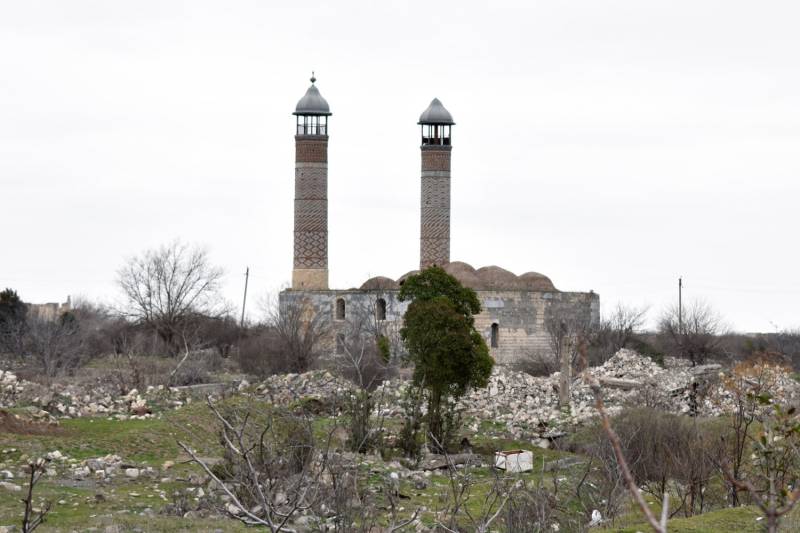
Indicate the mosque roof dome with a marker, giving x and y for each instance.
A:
(488, 278)
(379, 283)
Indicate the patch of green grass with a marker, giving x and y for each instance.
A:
(739, 519)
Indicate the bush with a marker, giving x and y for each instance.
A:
(259, 353)
(362, 437)
(665, 453)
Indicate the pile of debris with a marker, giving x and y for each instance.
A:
(528, 405)
(318, 385)
(10, 388)
(93, 399)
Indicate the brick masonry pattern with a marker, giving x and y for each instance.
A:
(311, 150)
(311, 206)
(434, 240)
(436, 158)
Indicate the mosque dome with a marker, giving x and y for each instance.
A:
(436, 114)
(379, 283)
(488, 278)
(312, 103)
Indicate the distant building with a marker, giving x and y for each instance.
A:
(49, 311)
(515, 308)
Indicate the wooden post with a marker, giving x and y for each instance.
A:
(566, 368)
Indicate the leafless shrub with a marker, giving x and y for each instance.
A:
(618, 329)
(602, 485)
(95, 322)
(55, 345)
(291, 339)
(747, 382)
(669, 454)
(695, 333)
(364, 351)
(277, 468)
(300, 331)
(258, 352)
(772, 482)
(529, 509)
(32, 517)
(537, 363)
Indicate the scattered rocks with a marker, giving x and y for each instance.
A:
(100, 468)
(10, 487)
(10, 387)
(319, 385)
(92, 399)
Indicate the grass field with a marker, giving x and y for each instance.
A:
(124, 504)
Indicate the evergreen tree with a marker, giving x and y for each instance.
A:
(449, 355)
(13, 312)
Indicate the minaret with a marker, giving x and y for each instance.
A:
(311, 192)
(434, 237)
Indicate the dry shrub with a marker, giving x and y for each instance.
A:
(538, 363)
(665, 453)
(260, 355)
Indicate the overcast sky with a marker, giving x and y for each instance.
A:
(612, 146)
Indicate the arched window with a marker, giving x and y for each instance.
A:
(340, 314)
(495, 339)
(380, 309)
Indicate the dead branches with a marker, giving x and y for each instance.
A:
(32, 517)
(658, 525)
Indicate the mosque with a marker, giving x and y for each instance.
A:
(515, 308)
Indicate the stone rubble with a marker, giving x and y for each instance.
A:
(528, 405)
(74, 401)
(317, 384)
(10, 387)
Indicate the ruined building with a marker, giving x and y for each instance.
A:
(515, 308)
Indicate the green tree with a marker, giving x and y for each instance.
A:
(449, 355)
(13, 312)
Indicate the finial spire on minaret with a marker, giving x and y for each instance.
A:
(313, 78)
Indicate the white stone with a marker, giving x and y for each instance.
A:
(11, 487)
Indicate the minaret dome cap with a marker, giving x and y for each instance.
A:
(436, 114)
(312, 103)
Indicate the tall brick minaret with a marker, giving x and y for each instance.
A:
(434, 237)
(311, 192)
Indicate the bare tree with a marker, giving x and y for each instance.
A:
(787, 343)
(167, 287)
(368, 345)
(300, 331)
(56, 345)
(620, 327)
(694, 333)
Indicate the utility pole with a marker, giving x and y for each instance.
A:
(680, 305)
(244, 301)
